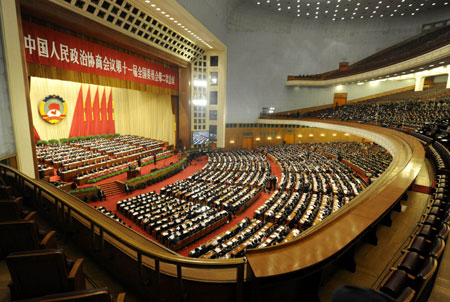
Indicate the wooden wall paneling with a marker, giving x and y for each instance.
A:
(300, 135)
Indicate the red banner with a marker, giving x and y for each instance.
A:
(49, 47)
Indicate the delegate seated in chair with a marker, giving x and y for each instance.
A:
(42, 272)
(87, 295)
(11, 209)
(23, 235)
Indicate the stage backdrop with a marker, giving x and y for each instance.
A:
(133, 112)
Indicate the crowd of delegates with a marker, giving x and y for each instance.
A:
(96, 156)
(407, 113)
(110, 214)
(369, 157)
(173, 221)
(230, 180)
(312, 186)
(190, 208)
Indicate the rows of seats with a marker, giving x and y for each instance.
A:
(420, 44)
(174, 222)
(230, 181)
(312, 186)
(91, 158)
(39, 271)
(409, 112)
(110, 214)
(369, 157)
(419, 262)
(245, 235)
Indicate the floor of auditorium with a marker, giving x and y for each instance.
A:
(373, 262)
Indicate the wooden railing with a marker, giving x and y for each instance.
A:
(102, 229)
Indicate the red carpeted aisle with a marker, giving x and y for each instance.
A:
(195, 166)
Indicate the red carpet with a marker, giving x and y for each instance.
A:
(421, 189)
(111, 201)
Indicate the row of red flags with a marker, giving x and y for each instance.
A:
(93, 118)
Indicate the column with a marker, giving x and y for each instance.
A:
(419, 84)
(18, 87)
(448, 81)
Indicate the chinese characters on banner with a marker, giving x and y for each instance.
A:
(49, 47)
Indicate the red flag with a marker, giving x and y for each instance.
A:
(77, 121)
(36, 135)
(103, 114)
(87, 114)
(95, 115)
(111, 123)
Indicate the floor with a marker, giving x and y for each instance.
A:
(374, 262)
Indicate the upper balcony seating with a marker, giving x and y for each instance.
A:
(408, 49)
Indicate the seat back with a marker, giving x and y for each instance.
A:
(37, 273)
(6, 192)
(19, 235)
(11, 209)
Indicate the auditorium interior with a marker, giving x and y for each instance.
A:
(224, 150)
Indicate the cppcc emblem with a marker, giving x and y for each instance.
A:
(53, 109)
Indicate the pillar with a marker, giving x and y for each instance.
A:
(419, 84)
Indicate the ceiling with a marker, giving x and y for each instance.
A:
(337, 10)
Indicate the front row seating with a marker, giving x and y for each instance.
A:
(42, 272)
(23, 235)
(87, 295)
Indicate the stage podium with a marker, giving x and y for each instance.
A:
(133, 173)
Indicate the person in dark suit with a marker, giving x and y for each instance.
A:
(101, 195)
(154, 159)
(127, 189)
(139, 161)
